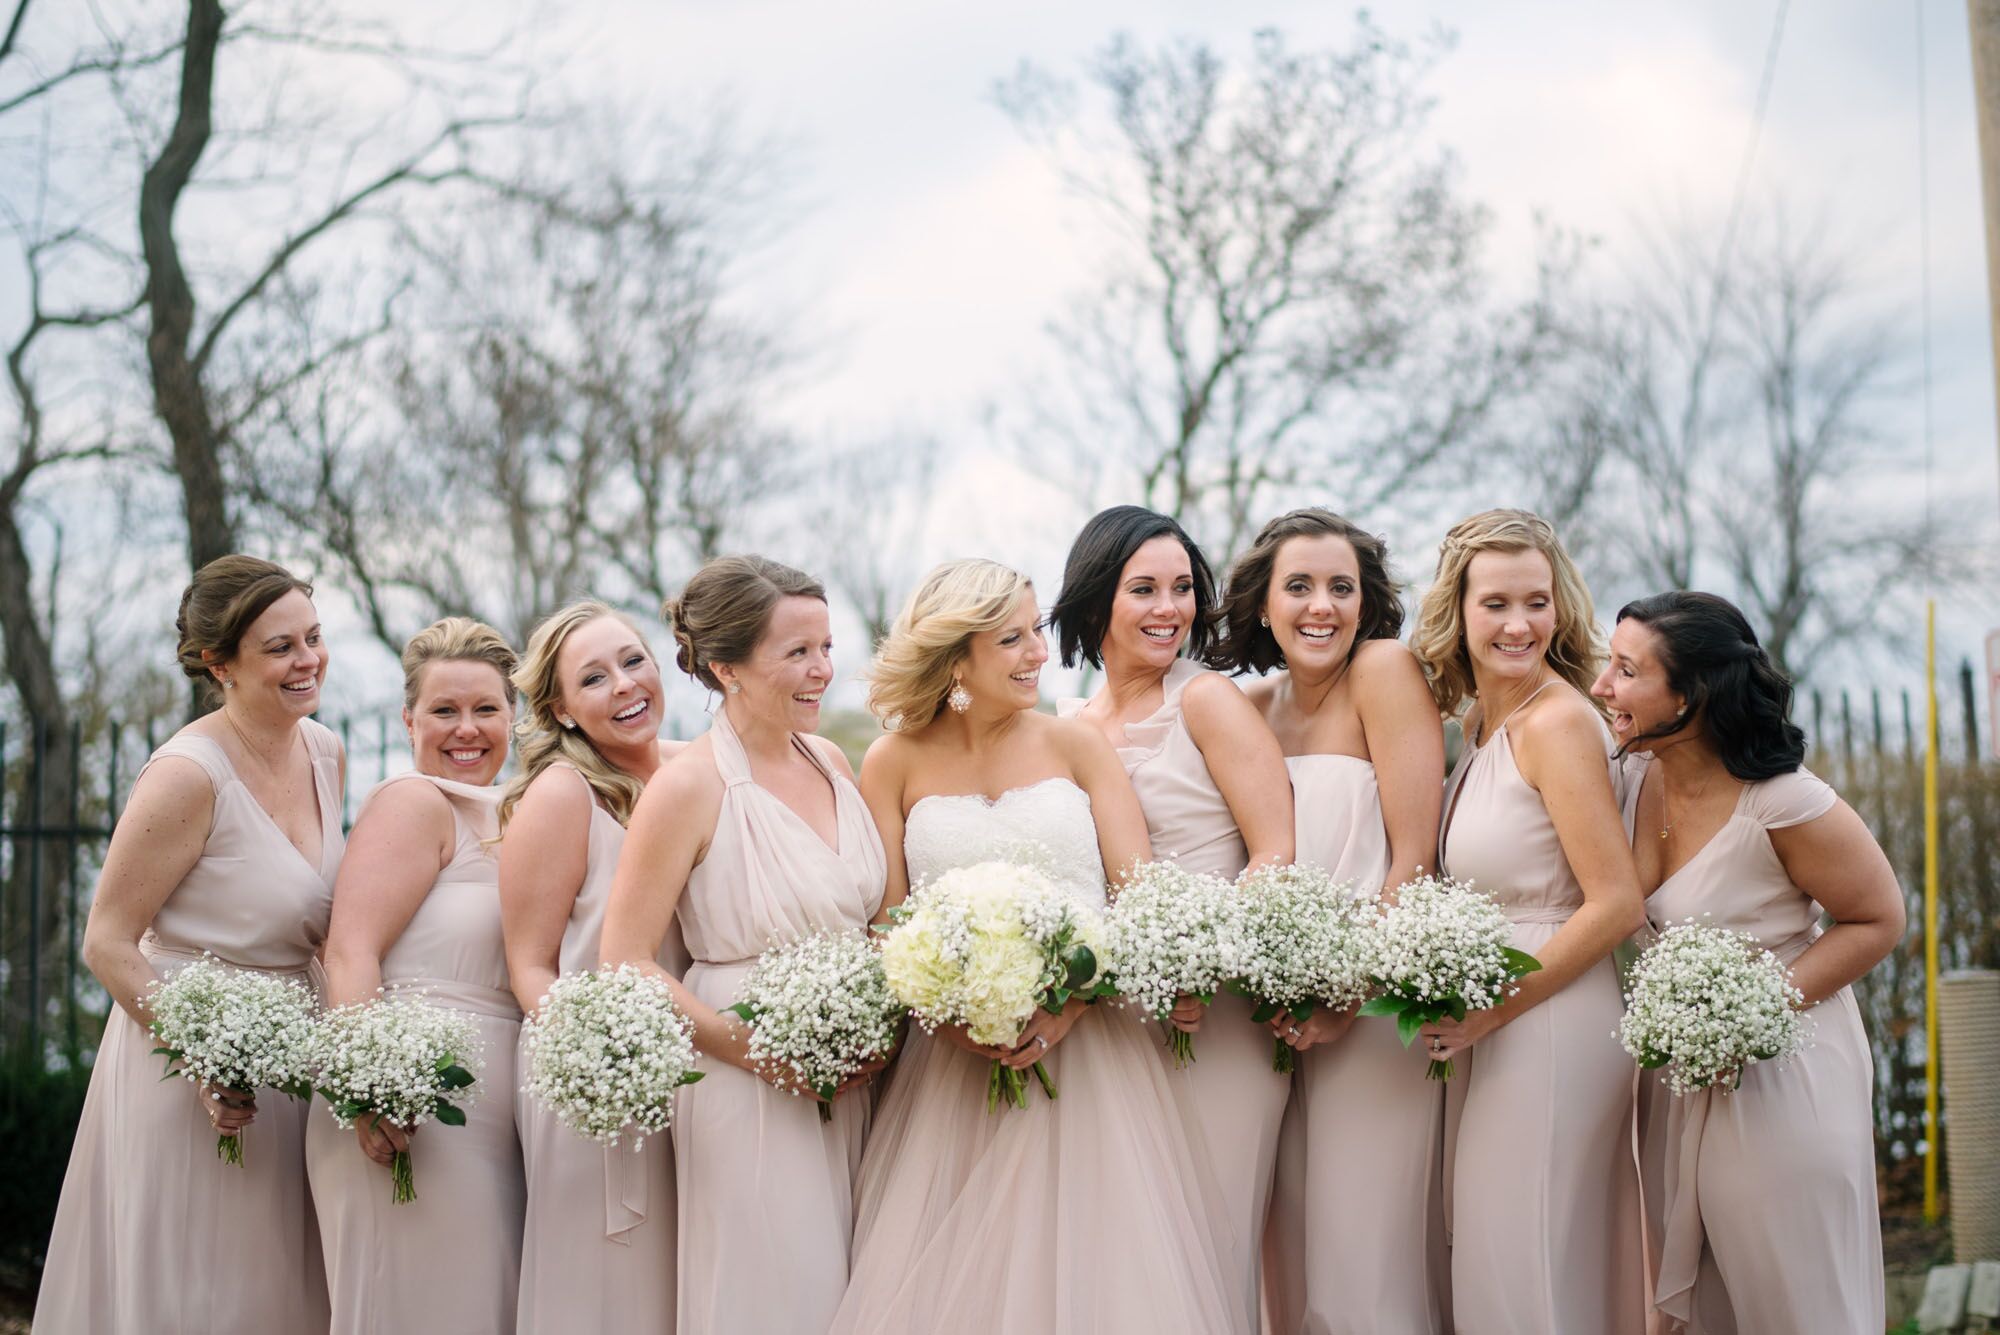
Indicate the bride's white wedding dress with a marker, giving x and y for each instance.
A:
(1085, 1214)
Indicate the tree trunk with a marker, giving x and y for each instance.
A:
(178, 393)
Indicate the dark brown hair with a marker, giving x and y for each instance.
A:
(219, 604)
(1097, 558)
(1247, 645)
(722, 613)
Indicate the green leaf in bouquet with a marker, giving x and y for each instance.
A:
(1266, 1012)
(1304, 1010)
(1456, 1006)
(454, 1076)
(1205, 998)
(690, 1077)
(1407, 1025)
(1241, 989)
(348, 1109)
(1055, 999)
(1653, 1061)
(743, 1011)
(1080, 961)
(1519, 962)
(449, 1115)
(1384, 1004)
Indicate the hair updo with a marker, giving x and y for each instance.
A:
(456, 640)
(219, 604)
(912, 671)
(1247, 644)
(722, 613)
(1713, 660)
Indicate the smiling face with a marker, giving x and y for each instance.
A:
(1314, 602)
(1003, 667)
(610, 685)
(1153, 607)
(1634, 685)
(280, 662)
(789, 669)
(458, 727)
(1510, 614)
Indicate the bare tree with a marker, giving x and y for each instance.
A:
(564, 407)
(1734, 404)
(867, 528)
(1295, 297)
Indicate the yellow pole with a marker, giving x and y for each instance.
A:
(1930, 914)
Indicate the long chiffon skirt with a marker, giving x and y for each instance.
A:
(1541, 1181)
(1087, 1215)
(1233, 1104)
(154, 1233)
(1356, 1244)
(766, 1195)
(446, 1263)
(597, 1245)
(1761, 1202)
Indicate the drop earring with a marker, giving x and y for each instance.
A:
(960, 699)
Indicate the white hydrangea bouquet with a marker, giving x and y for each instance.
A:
(983, 946)
(398, 1059)
(1174, 933)
(606, 1052)
(1705, 1002)
(819, 1010)
(1304, 945)
(234, 1029)
(1442, 950)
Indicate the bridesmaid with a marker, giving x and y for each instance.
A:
(1356, 1238)
(229, 846)
(597, 1248)
(1136, 593)
(758, 835)
(1088, 1214)
(1765, 1216)
(1541, 1187)
(417, 905)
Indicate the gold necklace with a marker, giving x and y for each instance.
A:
(1700, 792)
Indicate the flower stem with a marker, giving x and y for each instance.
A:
(229, 1147)
(1181, 1044)
(1048, 1083)
(1282, 1057)
(825, 1111)
(1439, 1070)
(405, 1181)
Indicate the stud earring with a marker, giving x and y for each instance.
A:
(736, 688)
(960, 699)
(1264, 621)
(569, 723)
(229, 683)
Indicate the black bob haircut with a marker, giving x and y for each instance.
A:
(1713, 659)
(1082, 611)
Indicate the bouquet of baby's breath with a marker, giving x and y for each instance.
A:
(982, 946)
(398, 1059)
(819, 1010)
(1443, 949)
(607, 1051)
(1706, 1002)
(1174, 933)
(1303, 945)
(234, 1029)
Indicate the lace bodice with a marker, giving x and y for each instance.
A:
(1046, 825)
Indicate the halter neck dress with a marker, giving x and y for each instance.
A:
(766, 1188)
(1541, 1187)
(153, 1231)
(1356, 1241)
(450, 1260)
(598, 1245)
(1231, 1099)
(1761, 1201)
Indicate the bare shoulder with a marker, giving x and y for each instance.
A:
(403, 808)
(557, 793)
(1560, 721)
(172, 784)
(1383, 660)
(1213, 699)
(689, 773)
(886, 761)
(672, 746)
(1073, 738)
(1259, 691)
(835, 758)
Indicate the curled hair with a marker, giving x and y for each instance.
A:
(1713, 660)
(722, 613)
(1082, 611)
(219, 604)
(541, 738)
(1575, 651)
(456, 640)
(1247, 644)
(912, 671)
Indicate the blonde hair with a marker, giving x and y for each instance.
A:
(1576, 651)
(457, 640)
(543, 741)
(723, 611)
(912, 671)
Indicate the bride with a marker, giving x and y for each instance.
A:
(1089, 1213)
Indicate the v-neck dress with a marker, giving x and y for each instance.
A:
(447, 1263)
(1541, 1188)
(1761, 1201)
(1356, 1241)
(597, 1243)
(1232, 1101)
(154, 1232)
(766, 1188)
